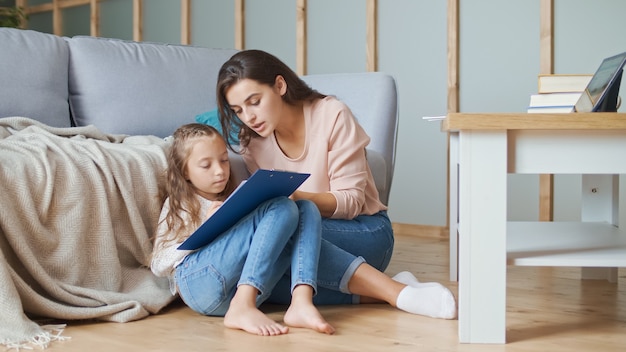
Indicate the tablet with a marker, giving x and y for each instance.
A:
(601, 94)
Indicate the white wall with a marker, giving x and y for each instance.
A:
(499, 63)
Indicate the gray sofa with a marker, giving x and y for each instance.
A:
(77, 213)
(141, 88)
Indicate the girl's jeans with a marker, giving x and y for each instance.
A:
(257, 251)
(346, 244)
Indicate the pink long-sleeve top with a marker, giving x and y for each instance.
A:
(334, 155)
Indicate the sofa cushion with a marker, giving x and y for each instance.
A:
(33, 67)
(140, 87)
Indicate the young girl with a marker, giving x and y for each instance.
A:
(236, 272)
(287, 125)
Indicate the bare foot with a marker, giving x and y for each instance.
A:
(307, 316)
(244, 315)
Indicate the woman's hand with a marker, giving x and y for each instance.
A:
(326, 201)
(213, 208)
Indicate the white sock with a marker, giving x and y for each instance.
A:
(407, 278)
(434, 301)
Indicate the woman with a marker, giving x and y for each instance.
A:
(284, 124)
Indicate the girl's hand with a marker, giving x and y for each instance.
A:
(213, 208)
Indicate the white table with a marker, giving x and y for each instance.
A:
(484, 149)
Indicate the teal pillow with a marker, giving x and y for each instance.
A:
(212, 118)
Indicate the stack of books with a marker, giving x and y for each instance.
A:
(558, 93)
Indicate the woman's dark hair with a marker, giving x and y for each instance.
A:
(263, 68)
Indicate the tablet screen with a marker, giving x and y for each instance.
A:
(608, 74)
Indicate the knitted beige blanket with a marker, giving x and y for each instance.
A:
(77, 211)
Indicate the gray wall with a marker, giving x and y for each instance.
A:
(499, 63)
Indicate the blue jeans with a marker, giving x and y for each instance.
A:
(346, 244)
(257, 251)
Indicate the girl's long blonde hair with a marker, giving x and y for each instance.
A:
(182, 194)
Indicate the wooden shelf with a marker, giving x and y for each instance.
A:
(579, 244)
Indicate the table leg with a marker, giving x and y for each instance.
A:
(600, 202)
(453, 205)
(482, 236)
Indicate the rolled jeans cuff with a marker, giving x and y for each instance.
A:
(343, 284)
(311, 283)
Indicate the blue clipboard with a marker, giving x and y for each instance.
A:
(263, 185)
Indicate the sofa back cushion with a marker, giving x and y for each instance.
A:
(33, 70)
(140, 87)
(373, 99)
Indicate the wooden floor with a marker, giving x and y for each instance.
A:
(549, 309)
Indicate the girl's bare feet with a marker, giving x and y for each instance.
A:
(244, 315)
(303, 314)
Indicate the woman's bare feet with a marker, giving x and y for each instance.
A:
(303, 314)
(244, 315)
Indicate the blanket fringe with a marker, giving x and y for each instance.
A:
(51, 333)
